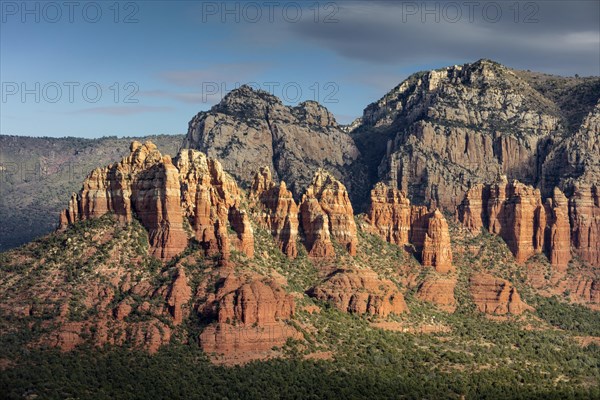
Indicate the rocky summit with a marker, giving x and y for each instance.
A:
(440, 132)
(454, 227)
(251, 128)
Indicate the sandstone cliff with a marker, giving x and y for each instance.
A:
(391, 214)
(584, 215)
(360, 292)
(147, 186)
(516, 213)
(495, 296)
(574, 158)
(434, 136)
(144, 183)
(437, 251)
(440, 132)
(454, 127)
(558, 230)
(249, 315)
(394, 219)
(439, 291)
(326, 214)
(278, 211)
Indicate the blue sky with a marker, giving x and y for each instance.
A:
(167, 59)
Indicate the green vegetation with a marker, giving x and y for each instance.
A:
(535, 355)
(569, 317)
(383, 365)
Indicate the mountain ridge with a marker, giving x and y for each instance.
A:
(155, 250)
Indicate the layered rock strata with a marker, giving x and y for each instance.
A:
(461, 125)
(163, 196)
(394, 219)
(493, 295)
(278, 210)
(439, 291)
(144, 184)
(251, 128)
(557, 227)
(361, 292)
(249, 313)
(326, 214)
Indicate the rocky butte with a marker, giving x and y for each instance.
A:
(361, 292)
(148, 186)
(394, 219)
(495, 296)
(278, 210)
(528, 225)
(249, 312)
(251, 128)
(145, 184)
(326, 214)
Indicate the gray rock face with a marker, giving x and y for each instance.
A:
(251, 128)
(449, 129)
(434, 136)
(576, 159)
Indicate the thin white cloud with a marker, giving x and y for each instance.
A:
(219, 73)
(122, 110)
(182, 97)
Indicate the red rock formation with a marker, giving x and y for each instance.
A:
(437, 251)
(71, 214)
(516, 213)
(512, 210)
(148, 335)
(249, 313)
(144, 181)
(156, 199)
(495, 296)
(262, 182)
(585, 289)
(584, 214)
(325, 207)
(240, 223)
(419, 225)
(211, 199)
(392, 218)
(439, 292)
(390, 214)
(178, 297)
(361, 292)
(315, 224)
(279, 210)
(67, 337)
(473, 211)
(558, 240)
(113, 326)
(161, 195)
